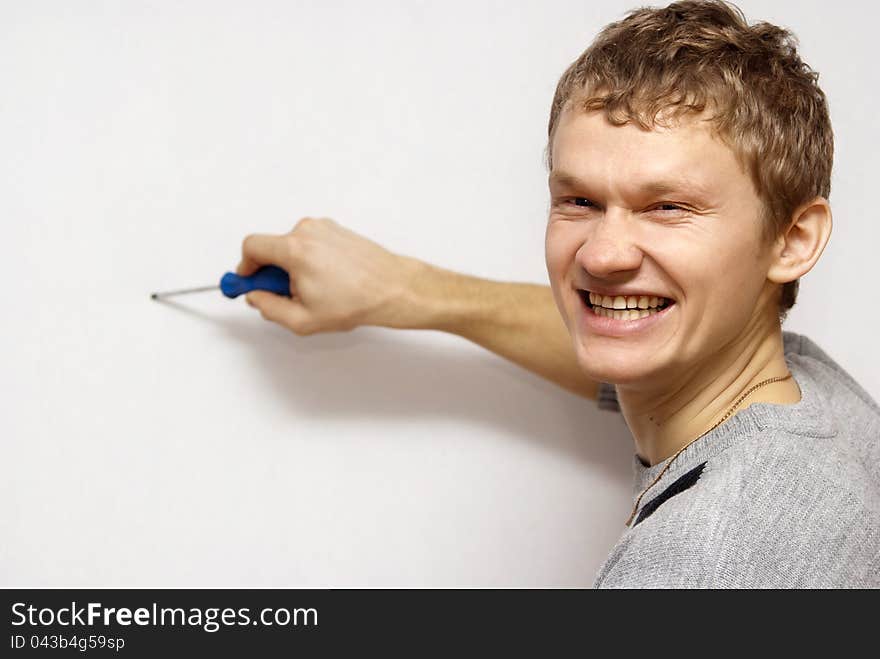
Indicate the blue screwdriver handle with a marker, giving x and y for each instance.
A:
(268, 278)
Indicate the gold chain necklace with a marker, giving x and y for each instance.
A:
(723, 419)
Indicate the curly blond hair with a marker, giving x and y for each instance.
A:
(702, 55)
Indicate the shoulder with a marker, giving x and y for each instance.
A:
(758, 519)
(809, 357)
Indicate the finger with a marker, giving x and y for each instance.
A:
(259, 249)
(282, 310)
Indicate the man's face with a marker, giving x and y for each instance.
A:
(666, 213)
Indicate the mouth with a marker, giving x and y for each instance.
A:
(625, 307)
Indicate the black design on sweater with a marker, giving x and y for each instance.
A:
(681, 484)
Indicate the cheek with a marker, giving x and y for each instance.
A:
(561, 243)
(720, 278)
(738, 273)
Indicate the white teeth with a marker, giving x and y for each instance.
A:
(624, 314)
(623, 302)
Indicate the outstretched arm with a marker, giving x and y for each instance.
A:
(519, 322)
(340, 280)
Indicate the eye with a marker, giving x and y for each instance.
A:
(582, 201)
(668, 207)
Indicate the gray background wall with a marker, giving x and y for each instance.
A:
(149, 446)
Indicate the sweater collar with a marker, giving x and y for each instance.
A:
(809, 416)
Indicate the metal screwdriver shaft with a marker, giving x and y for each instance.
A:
(183, 291)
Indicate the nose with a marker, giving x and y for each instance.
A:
(610, 246)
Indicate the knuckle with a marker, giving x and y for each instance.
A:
(303, 329)
(304, 222)
(291, 246)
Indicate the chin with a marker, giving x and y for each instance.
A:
(603, 365)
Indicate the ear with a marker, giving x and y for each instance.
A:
(796, 251)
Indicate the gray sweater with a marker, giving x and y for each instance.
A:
(778, 496)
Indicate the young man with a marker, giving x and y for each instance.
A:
(690, 159)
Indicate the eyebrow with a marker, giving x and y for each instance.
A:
(660, 187)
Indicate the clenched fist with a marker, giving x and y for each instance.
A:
(339, 280)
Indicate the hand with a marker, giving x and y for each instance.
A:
(339, 280)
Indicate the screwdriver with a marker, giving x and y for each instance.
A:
(268, 278)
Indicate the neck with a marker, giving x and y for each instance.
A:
(665, 418)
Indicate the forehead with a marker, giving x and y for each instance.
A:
(588, 147)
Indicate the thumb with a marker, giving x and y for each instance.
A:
(288, 312)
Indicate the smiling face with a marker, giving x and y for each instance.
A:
(668, 213)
